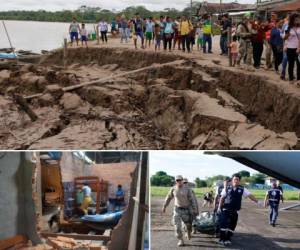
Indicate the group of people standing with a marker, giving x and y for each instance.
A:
(250, 37)
(227, 203)
(79, 32)
(165, 30)
(277, 37)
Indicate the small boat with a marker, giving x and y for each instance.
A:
(102, 221)
(8, 56)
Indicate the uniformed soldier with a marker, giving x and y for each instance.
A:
(183, 201)
(244, 32)
(273, 197)
(230, 204)
(186, 182)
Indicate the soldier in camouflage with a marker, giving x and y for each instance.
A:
(183, 202)
(194, 215)
(244, 32)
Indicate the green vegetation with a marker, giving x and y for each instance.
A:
(260, 194)
(89, 14)
(162, 179)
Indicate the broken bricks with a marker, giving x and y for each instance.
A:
(64, 243)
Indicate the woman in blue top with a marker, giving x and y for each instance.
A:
(276, 42)
(168, 33)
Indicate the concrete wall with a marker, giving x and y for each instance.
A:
(115, 173)
(17, 209)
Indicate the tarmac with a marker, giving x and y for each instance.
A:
(252, 232)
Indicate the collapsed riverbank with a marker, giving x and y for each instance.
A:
(184, 104)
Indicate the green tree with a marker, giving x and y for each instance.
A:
(162, 179)
(258, 178)
(244, 173)
(200, 183)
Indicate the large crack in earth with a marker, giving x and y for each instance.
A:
(186, 105)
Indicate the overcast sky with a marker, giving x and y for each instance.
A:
(105, 4)
(192, 164)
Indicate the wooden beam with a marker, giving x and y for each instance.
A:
(121, 234)
(229, 40)
(24, 106)
(142, 200)
(105, 79)
(10, 242)
(65, 52)
(77, 236)
(144, 206)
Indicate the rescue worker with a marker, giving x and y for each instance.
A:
(186, 182)
(220, 185)
(272, 198)
(87, 199)
(245, 32)
(230, 204)
(183, 197)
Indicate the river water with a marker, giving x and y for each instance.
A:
(35, 36)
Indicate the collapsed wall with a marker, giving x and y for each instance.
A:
(18, 212)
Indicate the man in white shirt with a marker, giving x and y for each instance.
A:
(74, 30)
(103, 29)
(230, 204)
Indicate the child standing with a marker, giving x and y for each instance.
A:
(83, 35)
(199, 34)
(234, 50)
(157, 36)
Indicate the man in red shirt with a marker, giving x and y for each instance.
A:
(258, 41)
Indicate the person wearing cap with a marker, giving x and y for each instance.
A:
(230, 204)
(87, 199)
(184, 201)
(272, 198)
(186, 183)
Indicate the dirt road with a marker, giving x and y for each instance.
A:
(252, 232)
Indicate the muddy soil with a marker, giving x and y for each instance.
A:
(252, 232)
(186, 105)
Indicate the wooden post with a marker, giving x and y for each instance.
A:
(98, 37)
(65, 52)
(142, 200)
(98, 197)
(229, 38)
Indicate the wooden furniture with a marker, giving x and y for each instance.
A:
(100, 187)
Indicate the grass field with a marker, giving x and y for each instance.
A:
(259, 194)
